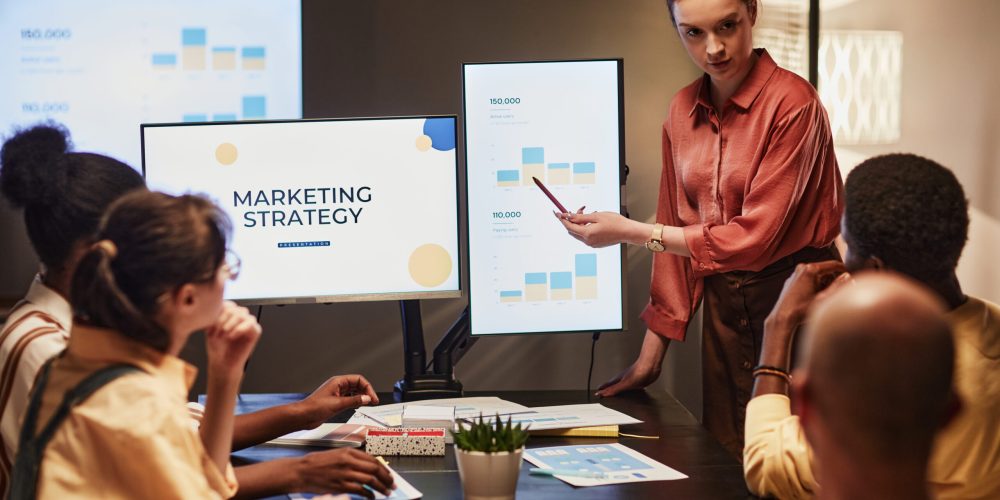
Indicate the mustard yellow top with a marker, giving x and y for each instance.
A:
(132, 438)
(965, 462)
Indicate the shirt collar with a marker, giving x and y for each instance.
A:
(49, 301)
(748, 91)
(105, 345)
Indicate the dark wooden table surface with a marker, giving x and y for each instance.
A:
(683, 445)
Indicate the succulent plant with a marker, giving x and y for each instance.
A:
(489, 437)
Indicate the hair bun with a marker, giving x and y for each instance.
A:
(32, 166)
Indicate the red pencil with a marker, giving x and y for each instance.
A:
(545, 190)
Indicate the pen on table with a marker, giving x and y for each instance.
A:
(567, 472)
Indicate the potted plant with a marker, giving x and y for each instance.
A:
(489, 458)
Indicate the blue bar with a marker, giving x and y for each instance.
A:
(561, 281)
(253, 52)
(254, 107)
(586, 264)
(193, 37)
(165, 59)
(223, 49)
(510, 293)
(224, 117)
(195, 118)
(535, 278)
(586, 167)
(557, 166)
(508, 175)
(532, 155)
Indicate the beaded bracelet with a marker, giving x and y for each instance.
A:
(771, 370)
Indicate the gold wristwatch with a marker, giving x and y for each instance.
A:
(655, 243)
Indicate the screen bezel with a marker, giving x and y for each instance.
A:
(358, 297)
(622, 174)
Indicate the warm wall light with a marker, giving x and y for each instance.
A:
(860, 74)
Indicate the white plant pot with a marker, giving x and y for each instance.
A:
(488, 476)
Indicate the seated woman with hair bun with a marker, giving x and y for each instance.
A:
(64, 194)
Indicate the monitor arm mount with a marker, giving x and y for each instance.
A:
(418, 382)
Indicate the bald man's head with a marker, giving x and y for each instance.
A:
(878, 367)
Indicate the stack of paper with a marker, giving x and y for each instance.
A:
(465, 408)
(329, 435)
(429, 416)
(570, 417)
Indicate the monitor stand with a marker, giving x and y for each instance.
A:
(418, 383)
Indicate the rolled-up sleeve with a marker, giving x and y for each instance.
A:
(777, 461)
(674, 291)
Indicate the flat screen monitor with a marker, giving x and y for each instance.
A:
(561, 122)
(324, 210)
(102, 67)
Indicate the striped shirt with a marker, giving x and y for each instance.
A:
(36, 330)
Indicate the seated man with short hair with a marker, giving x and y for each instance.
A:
(870, 413)
(910, 215)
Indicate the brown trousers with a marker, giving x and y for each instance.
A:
(735, 306)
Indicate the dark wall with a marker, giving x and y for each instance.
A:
(400, 57)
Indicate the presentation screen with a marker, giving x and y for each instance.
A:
(562, 123)
(324, 210)
(102, 67)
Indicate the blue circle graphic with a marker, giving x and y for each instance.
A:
(442, 133)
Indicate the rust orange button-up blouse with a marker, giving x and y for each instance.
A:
(749, 186)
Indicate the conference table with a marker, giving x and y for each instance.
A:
(683, 444)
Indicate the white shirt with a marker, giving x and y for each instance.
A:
(36, 330)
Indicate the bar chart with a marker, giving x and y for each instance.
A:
(558, 173)
(579, 284)
(252, 108)
(526, 274)
(194, 55)
(117, 64)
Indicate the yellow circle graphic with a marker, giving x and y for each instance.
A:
(430, 265)
(226, 153)
(424, 143)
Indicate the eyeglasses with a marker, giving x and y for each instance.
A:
(232, 264)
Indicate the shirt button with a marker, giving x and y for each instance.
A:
(747, 365)
(701, 266)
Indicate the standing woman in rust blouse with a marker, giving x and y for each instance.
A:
(750, 188)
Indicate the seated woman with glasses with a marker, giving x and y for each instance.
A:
(107, 418)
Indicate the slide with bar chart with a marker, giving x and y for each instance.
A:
(558, 122)
(103, 67)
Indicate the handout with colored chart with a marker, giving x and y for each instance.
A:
(615, 462)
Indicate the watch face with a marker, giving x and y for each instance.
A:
(654, 246)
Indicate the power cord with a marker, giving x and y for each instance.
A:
(590, 371)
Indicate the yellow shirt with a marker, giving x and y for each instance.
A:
(132, 438)
(965, 462)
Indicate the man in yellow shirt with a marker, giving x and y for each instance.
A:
(910, 215)
(870, 415)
